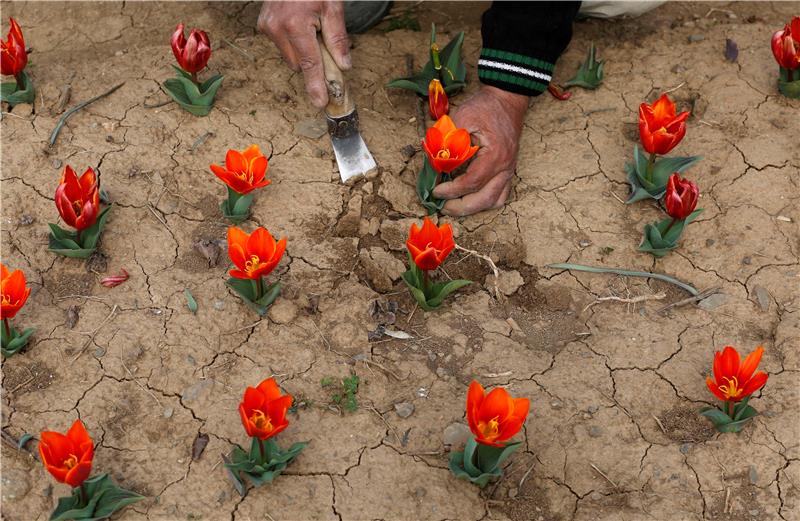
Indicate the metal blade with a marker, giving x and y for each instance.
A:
(352, 155)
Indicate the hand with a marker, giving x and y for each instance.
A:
(494, 117)
(293, 27)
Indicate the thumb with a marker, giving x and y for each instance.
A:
(334, 34)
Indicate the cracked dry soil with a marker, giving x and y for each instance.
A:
(154, 376)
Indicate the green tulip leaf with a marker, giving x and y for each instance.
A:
(242, 205)
(104, 498)
(176, 89)
(91, 235)
(716, 416)
(12, 94)
(589, 74)
(452, 73)
(426, 182)
(14, 343)
(660, 238)
(245, 288)
(417, 83)
(644, 187)
(790, 89)
(441, 290)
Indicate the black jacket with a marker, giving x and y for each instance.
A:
(521, 43)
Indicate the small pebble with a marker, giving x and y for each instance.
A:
(593, 409)
(422, 392)
(754, 512)
(583, 243)
(168, 411)
(99, 352)
(685, 448)
(219, 305)
(57, 163)
(679, 69)
(710, 242)
(404, 409)
(512, 492)
(753, 475)
(555, 404)
(26, 219)
(696, 38)
(747, 261)
(596, 496)
(595, 431)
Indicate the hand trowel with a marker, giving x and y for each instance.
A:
(352, 154)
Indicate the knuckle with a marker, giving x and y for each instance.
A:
(307, 63)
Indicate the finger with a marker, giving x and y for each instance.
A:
(309, 59)
(492, 195)
(334, 34)
(479, 172)
(270, 25)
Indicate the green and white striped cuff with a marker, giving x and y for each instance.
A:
(514, 72)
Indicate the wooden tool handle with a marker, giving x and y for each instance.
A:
(339, 101)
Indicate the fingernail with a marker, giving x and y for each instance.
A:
(347, 62)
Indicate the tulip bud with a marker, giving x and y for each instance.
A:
(438, 103)
(192, 53)
(659, 128)
(13, 56)
(681, 197)
(78, 199)
(786, 45)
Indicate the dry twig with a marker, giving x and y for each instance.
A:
(491, 263)
(93, 333)
(631, 300)
(689, 300)
(603, 474)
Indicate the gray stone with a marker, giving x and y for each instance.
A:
(685, 448)
(219, 305)
(404, 409)
(696, 38)
(596, 496)
(762, 297)
(713, 301)
(512, 492)
(313, 128)
(99, 352)
(593, 409)
(193, 392)
(456, 434)
(16, 484)
(753, 475)
(595, 431)
(555, 404)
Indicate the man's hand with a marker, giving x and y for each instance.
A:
(495, 118)
(293, 26)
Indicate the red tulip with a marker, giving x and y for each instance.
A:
(243, 171)
(263, 410)
(659, 128)
(14, 292)
(78, 200)
(447, 147)
(733, 381)
(437, 100)
(786, 45)
(192, 53)
(681, 197)
(13, 56)
(431, 245)
(254, 255)
(68, 458)
(496, 416)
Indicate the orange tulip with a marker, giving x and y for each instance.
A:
(13, 55)
(78, 199)
(496, 416)
(733, 380)
(263, 410)
(14, 292)
(68, 458)
(447, 147)
(243, 171)
(438, 103)
(659, 128)
(430, 246)
(254, 255)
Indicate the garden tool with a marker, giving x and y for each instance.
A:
(351, 152)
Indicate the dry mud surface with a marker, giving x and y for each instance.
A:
(153, 376)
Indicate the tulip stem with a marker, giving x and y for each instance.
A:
(426, 283)
(84, 495)
(259, 287)
(261, 448)
(731, 408)
(194, 78)
(651, 163)
(8, 327)
(21, 81)
(674, 220)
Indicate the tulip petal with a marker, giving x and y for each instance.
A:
(253, 399)
(712, 386)
(4, 273)
(457, 141)
(77, 434)
(497, 404)
(262, 244)
(269, 389)
(444, 125)
(755, 383)
(433, 142)
(749, 365)
(475, 396)
(730, 362)
(237, 244)
(58, 447)
(235, 161)
(246, 423)
(509, 428)
(427, 260)
(252, 152)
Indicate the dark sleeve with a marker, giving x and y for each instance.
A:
(521, 43)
